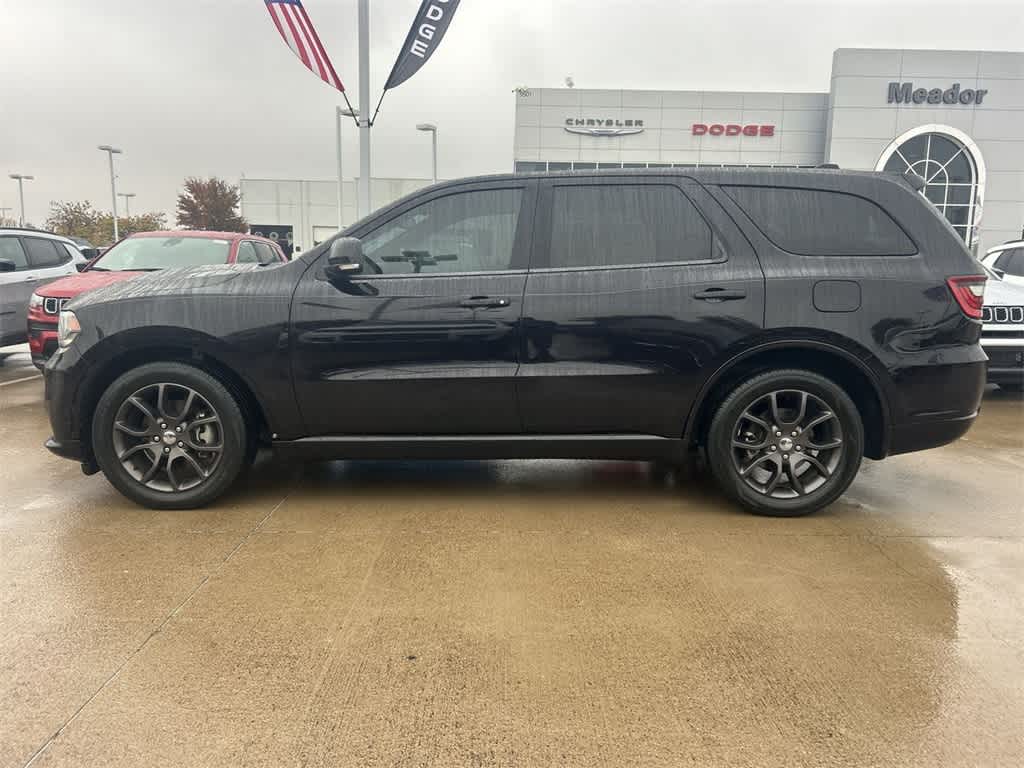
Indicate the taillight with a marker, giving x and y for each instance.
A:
(969, 292)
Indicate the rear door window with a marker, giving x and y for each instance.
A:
(72, 251)
(12, 250)
(605, 225)
(816, 222)
(1011, 262)
(44, 253)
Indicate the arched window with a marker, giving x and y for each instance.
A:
(949, 162)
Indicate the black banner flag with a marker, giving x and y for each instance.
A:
(424, 37)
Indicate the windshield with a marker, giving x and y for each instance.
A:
(146, 253)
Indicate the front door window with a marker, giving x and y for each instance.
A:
(464, 232)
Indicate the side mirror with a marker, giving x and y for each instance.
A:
(345, 258)
(82, 266)
(90, 253)
(6, 265)
(999, 272)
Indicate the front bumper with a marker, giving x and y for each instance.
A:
(63, 375)
(42, 337)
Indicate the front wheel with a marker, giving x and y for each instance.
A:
(786, 443)
(169, 436)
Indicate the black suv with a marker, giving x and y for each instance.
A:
(788, 322)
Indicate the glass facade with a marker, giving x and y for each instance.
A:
(950, 175)
(530, 166)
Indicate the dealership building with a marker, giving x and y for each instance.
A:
(954, 117)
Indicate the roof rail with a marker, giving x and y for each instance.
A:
(33, 229)
(831, 166)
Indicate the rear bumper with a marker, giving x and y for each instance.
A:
(939, 404)
(906, 438)
(66, 449)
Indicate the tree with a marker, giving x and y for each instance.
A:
(210, 204)
(80, 219)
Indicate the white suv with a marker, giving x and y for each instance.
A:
(28, 259)
(1007, 261)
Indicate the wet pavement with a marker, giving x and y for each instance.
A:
(511, 614)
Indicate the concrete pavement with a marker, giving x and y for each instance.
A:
(512, 614)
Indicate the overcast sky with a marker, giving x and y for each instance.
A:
(206, 87)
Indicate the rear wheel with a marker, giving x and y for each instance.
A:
(169, 436)
(786, 443)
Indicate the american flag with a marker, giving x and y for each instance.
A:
(293, 23)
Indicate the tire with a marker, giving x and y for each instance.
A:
(135, 436)
(803, 469)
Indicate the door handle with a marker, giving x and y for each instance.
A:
(720, 294)
(484, 302)
(29, 279)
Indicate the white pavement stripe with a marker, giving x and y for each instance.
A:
(18, 381)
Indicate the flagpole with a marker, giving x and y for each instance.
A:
(364, 114)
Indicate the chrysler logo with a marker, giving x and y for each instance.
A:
(603, 126)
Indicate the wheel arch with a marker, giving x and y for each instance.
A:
(127, 350)
(843, 366)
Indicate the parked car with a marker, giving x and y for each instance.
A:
(29, 259)
(1007, 261)
(132, 256)
(1002, 333)
(788, 322)
(86, 248)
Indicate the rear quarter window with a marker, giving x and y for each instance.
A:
(815, 222)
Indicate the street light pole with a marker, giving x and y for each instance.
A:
(111, 151)
(127, 196)
(338, 115)
(364, 98)
(432, 129)
(21, 178)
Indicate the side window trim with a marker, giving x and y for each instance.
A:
(544, 229)
(522, 242)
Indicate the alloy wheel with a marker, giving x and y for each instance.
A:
(168, 437)
(787, 443)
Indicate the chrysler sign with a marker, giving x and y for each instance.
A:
(593, 126)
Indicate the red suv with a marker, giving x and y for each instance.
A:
(143, 252)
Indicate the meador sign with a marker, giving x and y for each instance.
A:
(906, 93)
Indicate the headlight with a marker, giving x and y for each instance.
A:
(35, 301)
(68, 329)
